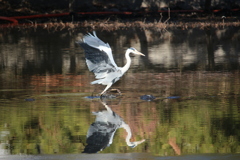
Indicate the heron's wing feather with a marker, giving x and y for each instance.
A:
(98, 61)
(98, 136)
(93, 41)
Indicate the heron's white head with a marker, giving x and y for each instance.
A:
(134, 51)
(134, 144)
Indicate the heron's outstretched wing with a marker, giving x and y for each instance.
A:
(98, 136)
(98, 56)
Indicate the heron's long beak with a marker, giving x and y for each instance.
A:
(139, 53)
(137, 143)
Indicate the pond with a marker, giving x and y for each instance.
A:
(48, 105)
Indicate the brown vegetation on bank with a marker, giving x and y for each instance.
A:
(116, 25)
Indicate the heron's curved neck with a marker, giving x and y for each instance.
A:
(127, 65)
(129, 133)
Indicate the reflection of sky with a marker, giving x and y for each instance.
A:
(219, 55)
(195, 48)
(169, 57)
(161, 54)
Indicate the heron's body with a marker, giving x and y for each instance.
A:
(101, 132)
(100, 61)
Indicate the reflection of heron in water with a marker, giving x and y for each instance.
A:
(101, 132)
(100, 60)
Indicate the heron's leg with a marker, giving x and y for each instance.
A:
(108, 86)
(108, 108)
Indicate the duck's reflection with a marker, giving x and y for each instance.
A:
(101, 132)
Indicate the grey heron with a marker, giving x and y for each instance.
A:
(101, 132)
(100, 60)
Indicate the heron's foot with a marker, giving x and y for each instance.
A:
(116, 90)
(107, 96)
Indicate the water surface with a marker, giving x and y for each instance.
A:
(193, 75)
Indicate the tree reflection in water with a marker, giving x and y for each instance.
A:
(101, 132)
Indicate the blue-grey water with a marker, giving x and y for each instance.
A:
(183, 97)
